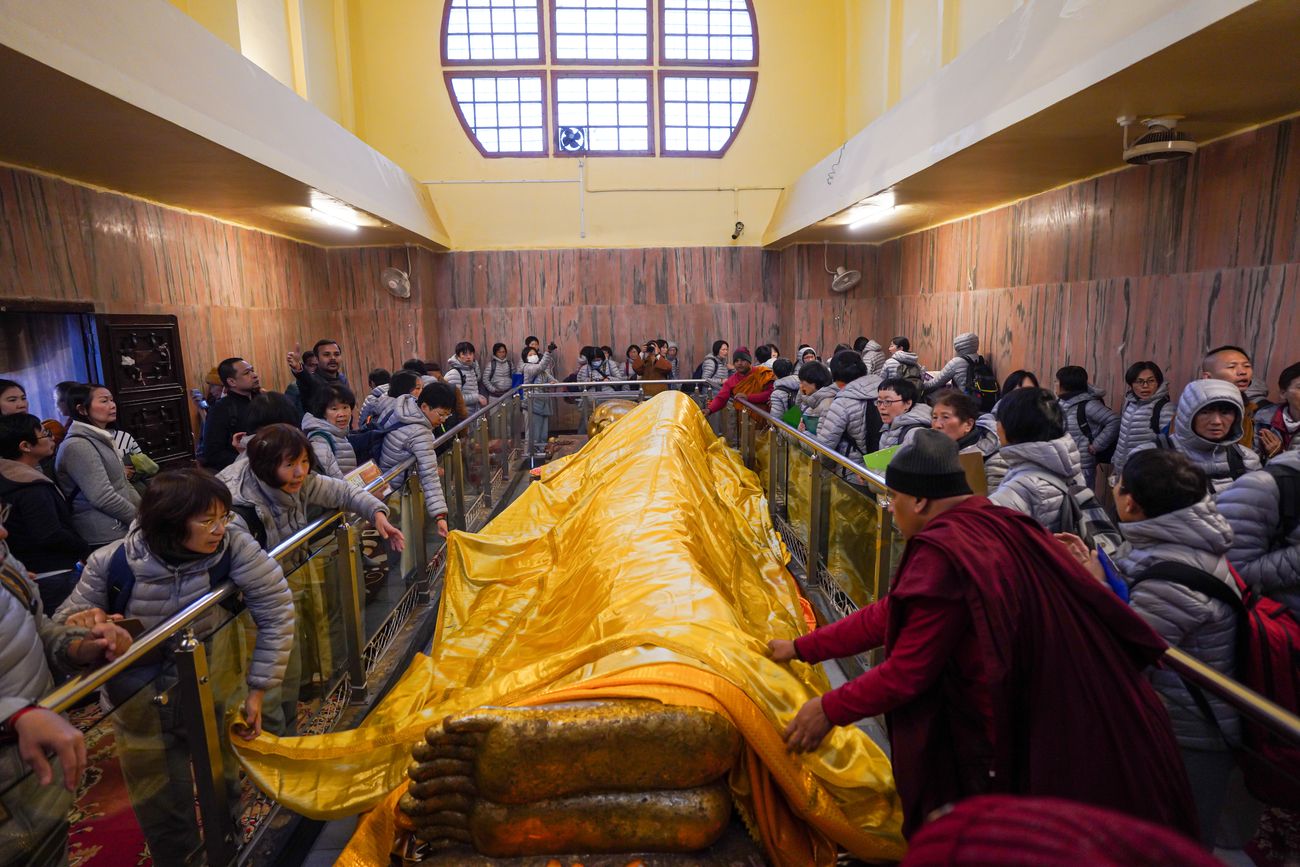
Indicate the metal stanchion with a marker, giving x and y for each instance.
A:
(747, 439)
(203, 730)
(485, 459)
(819, 514)
(455, 491)
(413, 499)
(777, 457)
(351, 595)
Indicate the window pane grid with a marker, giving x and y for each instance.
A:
(616, 31)
(707, 31)
(503, 113)
(493, 31)
(701, 113)
(614, 111)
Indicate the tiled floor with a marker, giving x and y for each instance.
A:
(329, 845)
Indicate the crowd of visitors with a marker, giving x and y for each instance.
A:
(1022, 630)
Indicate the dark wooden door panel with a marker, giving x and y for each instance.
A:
(142, 364)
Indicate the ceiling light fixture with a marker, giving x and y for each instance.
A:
(333, 220)
(872, 209)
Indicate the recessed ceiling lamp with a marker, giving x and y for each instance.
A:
(328, 209)
(872, 209)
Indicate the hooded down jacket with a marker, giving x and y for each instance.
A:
(785, 392)
(497, 375)
(873, 357)
(598, 372)
(983, 440)
(1103, 422)
(1212, 457)
(464, 377)
(714, 369)
(410, 435)
(92, 476)
(893, 367)
(1206, 628)
(283, 514)
(851, 426)
(540, 371)
(1252, 505)
(900, 431)
(162, 589)
(816, 405)
(954, 372)
(1024, 489)
(1135, 427)
(330, 445)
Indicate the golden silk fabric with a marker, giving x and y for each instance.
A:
(644, 566)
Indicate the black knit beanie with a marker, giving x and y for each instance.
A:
(928, 468)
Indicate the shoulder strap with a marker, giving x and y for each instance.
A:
(15, 584)
(121, 581)
(1081, 416)
(254, 523)
(1156, 409)
(1193, 579)
(319, 434)
(1236, 463)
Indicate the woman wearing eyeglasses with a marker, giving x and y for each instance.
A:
(179, 540)
(1147, 414)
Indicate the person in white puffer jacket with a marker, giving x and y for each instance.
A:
(1148, 412)
(462, 372)
(1041, 459)
(1168, 519)
(1208, 429)
(897, 401)
(326, 423)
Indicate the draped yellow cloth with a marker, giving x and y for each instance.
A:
(644, 566)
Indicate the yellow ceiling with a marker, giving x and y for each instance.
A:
(1238, 73)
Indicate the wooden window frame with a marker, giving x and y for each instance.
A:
(694, 72)
(646, 74)
(650, 27)
(704, 64)
(547, 132)
(539, 60)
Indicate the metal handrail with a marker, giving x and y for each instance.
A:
(1242, 698)
(831, 455)
(67, 695)
(608, 382)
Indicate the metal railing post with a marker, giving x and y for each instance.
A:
(819, 491)
(511, 408)
(529, 446)
(485, 458)
(351, 595)
(777, 451)
(198, 711)
(413, 499)
(884, 547)
(456, 489)
(747, 439)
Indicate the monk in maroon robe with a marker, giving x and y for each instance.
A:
(1008, 668)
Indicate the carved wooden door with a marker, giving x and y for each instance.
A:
(141, 362)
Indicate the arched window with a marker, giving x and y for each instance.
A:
(531, 78)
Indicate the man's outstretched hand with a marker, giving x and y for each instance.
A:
(781, 650)
(808, 728)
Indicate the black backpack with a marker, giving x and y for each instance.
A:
(912, 373)
(981, 385)
(1083, 515)
(1156, 409)
(693, 387)
(1081, 416)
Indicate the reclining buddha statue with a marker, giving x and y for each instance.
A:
(599, 683)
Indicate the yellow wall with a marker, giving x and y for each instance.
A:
(404, 110)
(893, 46)
(219, 16)
(264, 37)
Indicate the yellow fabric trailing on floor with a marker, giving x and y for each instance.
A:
(644, 566)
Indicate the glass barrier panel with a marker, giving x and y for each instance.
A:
(763, 456)
(851, 551)
(798, 499)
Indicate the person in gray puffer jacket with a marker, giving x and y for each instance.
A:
(900, 412)
(180, 537)
(326, 424)
(1252, 505)
(1148, 412)
(785, 391)
(1208, 429)
(967, 347)
(1073, 390)
(410, 423)
(34, 829)
(1167, 517)
(499, 371)
(900, 361)
(1041, 459)
(462, 373)
(277, 483)
(873, 356)
(539, 369)
(851, 426)
(90, 472)
(816, 394)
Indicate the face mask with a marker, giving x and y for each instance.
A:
(532, 359)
